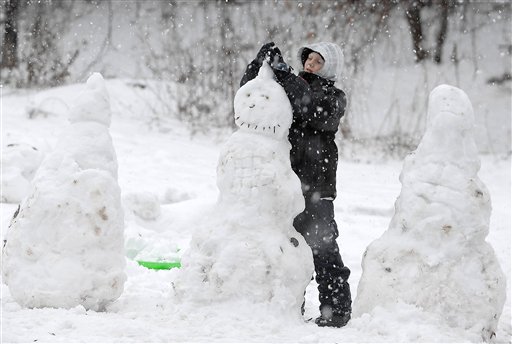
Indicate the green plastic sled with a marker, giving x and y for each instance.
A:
(159, 265)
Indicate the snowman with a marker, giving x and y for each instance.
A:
(248, 249)
(65, 246)
(434, 254)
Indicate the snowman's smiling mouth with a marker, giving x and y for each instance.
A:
(251, 106)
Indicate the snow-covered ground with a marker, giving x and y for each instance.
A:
(168, 183)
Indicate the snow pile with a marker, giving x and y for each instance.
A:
(434, 254)
(145, 205)
(148, 245)
(19, 164)
(65, 246)
(247, 249)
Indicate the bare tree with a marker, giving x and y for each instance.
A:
(442, 9)
(32, 51)
(443, 29)
(413, 15)
(10, 43)
(44, 64)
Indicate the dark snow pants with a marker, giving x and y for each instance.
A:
(316, 224)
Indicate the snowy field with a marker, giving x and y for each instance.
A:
(168, 183)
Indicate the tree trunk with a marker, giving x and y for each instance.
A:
(443, 29)
(10, 45)
(413, 16)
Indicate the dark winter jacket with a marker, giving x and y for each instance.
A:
(317, 109)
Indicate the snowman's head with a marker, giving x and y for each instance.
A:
(93, 104)
(450, 104)
(262, 106)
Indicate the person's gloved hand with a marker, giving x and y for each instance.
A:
(265, 51)
(275, 57)
(270, 52)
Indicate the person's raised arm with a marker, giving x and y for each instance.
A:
(319, 110)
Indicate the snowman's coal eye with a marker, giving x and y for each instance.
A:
(248, 95)
(265, 96)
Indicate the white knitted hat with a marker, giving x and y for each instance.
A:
(333, 57)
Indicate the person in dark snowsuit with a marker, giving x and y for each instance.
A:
(317, 109)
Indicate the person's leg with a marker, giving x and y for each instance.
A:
(319, 228)
(301, 223)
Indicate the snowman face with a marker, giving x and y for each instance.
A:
(448, 102)
(262, 106)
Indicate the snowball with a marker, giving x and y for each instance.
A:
(434, 254)
(247, 248)
(65, 247)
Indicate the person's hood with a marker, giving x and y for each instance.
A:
(332, 55)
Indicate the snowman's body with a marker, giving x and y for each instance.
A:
(434, 253)
(65, 247)
(249, 249)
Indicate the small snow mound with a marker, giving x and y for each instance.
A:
(173, 195)
(143, 244)
(19, 164)
(143, 204)
(93, 104)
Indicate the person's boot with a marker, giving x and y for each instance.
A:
(334, 321)
(330, 319)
